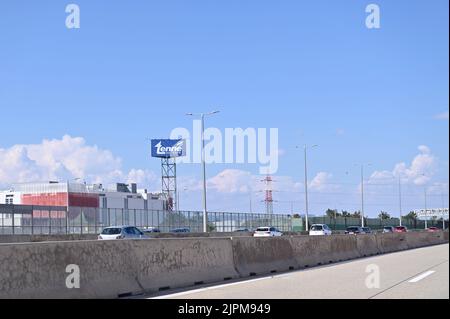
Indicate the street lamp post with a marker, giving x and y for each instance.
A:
(425, 198)
(443, 206)
(306, 187)
(202, 116)
(400, 198)
(425, 201)
(362, 193)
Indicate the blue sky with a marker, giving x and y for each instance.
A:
(310, 68)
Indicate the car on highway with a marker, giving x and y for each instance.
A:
(354, 230)
(181, 230)
(400, 229)
(320, 230)
(388, 229)
(367, 230)
(267, 232)
(150, 230)
(121, 232)
(433, 229)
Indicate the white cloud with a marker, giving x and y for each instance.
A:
(65, 159)
(231, 181)
(321, 182)
(141, 177)
(442, 116)
(239, 181)
(419, 172)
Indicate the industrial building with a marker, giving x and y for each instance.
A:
(66, 194)
(66, 206)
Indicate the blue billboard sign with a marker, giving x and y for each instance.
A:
(168, 148)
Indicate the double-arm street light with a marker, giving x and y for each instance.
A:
(202, 116)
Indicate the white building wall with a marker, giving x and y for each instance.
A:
(136, 203)
(16, 196)
(113, 199)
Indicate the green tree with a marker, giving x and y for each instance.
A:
(384, 215)
(356, 214)
(411, 216)
(346, 214)
(332, 213)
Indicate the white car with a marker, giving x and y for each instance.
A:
(121, 232)
(320, 230)
(267, 232)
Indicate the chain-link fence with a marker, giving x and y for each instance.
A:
(40, 220)
(341, 223)
(22, 219)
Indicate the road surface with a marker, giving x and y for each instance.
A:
(417, 274)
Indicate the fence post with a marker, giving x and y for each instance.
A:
(67, 220)
(32, 221)
(157, 217)
(49, 221)
(13, 220)
(95, 220)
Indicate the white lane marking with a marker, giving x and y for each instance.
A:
(422, 276)
(209, 288)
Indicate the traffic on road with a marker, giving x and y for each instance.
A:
(132, 232)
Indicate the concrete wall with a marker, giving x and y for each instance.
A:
(42, 238)
(311, 251)
(256, 256)
(110, 269)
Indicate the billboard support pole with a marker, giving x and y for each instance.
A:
(169, 182)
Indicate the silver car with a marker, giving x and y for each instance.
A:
(388, 229)
(121, 232)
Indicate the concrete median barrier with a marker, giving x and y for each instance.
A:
(44, 238)
(201, 235)
(70, 237)
(388, 243)
(420, 239)
(38, 270)
(256, 256)
(310, 251)
(176, 263)
(110, 269)
(367, 245)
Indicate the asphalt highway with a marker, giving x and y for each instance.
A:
(413, 274)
